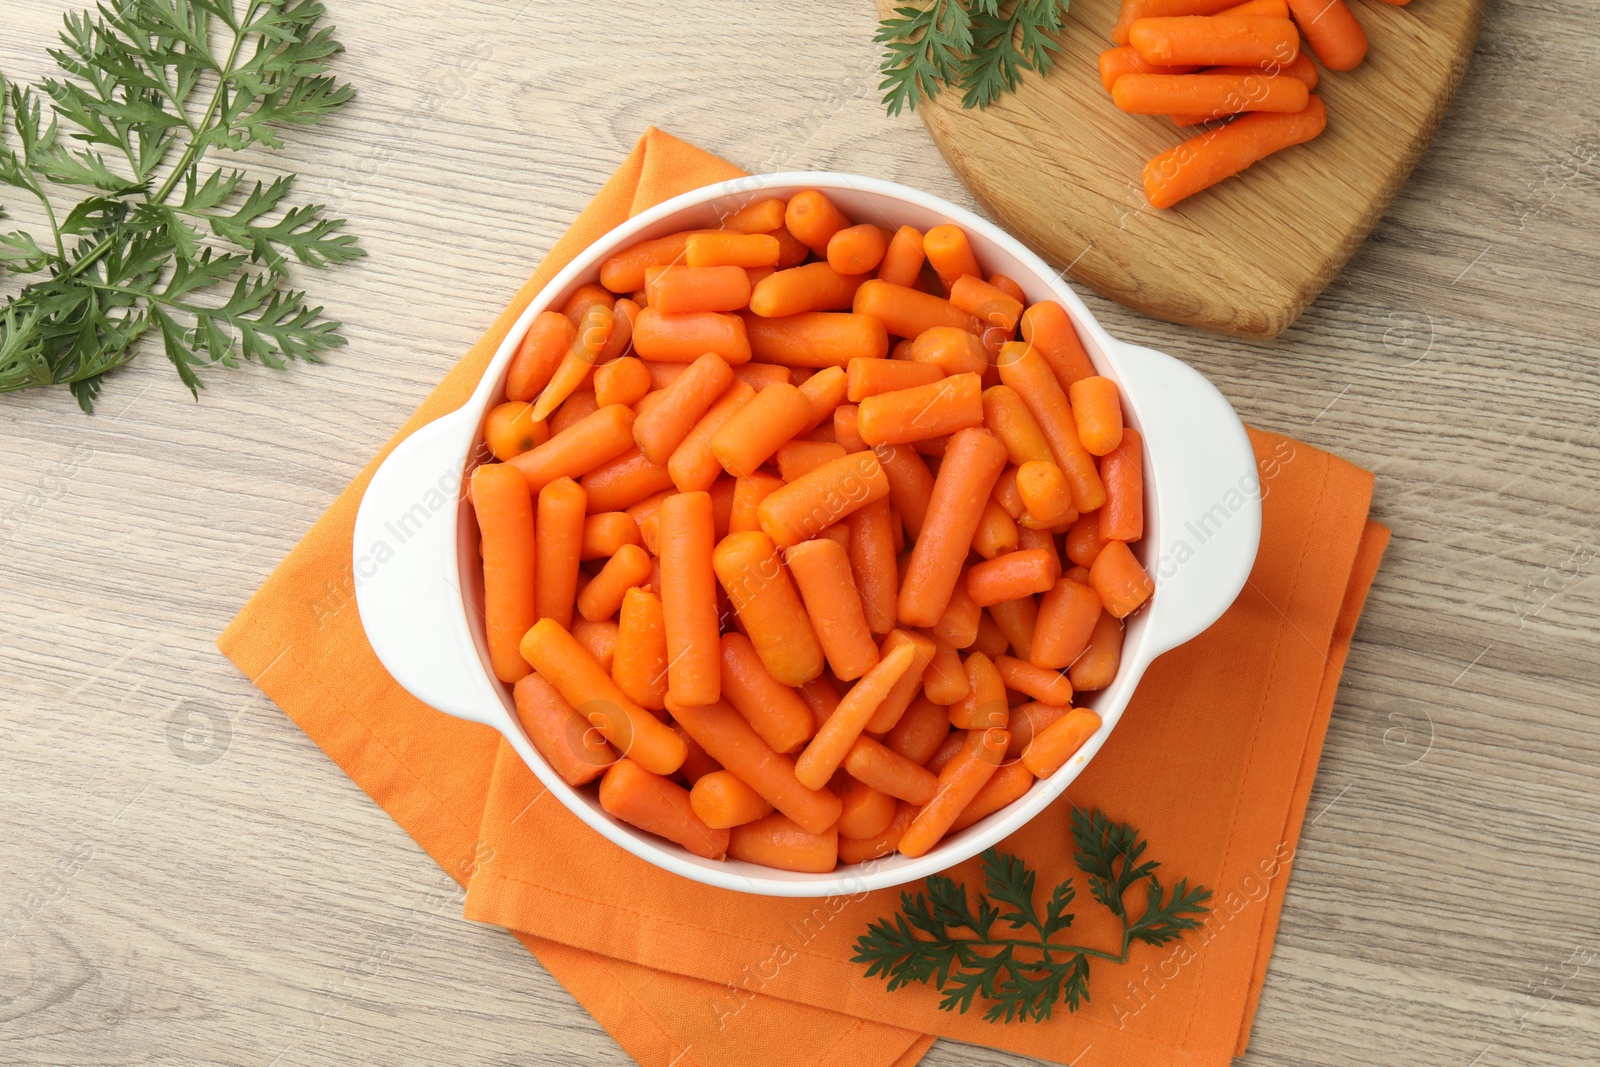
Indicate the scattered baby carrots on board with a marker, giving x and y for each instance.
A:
(782, 599)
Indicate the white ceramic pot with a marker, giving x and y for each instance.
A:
(419, 587)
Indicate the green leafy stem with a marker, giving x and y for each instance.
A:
(981, 47)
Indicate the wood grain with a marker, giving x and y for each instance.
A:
(1060, 166)
(198, 884)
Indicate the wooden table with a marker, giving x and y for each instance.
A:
(198, 884)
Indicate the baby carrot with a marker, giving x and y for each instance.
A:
(827, 750)
(971, 464)
(903, 259)
(558, 546)
(1096, 667)
(925, 411)
(812, 217)
(1030, 719)
(564, 738)
(575, 451)
(996, 533)
(816, 338)
(909, 687)
(1018, 619)
(592, 334)
(664, 427)
(1121, 582)
(821, 696)
(950, 253)
(948, 750)
(1031, 537)
(775, 711)
(777, 841)
(624, 481)
(505, 522)
(685, 338)
(1209, 94)
(510, 429)
(1047, 686)
(1133, 10)
(722, 801)
(754, 432)
(748, 493)
(1049, 329)
(693, 465)
(1055, 744)
(659, 806)
(582, 299)
(602, 597)
(760, 216)
(867, 812)
(958, 784)
(680, 290)
(921, 729)
(958, 626)
(698, 763)
(1044, 492)
(985, 705)
(845, 418)
(1124, 59)
(1122, 517)
(732, 742)
(805, 507)
(1009, 576)
(639, 666)
(910, 485)
(1011, 781)
(821, 568)
(577, 407)
(945, 680)
(870, 377)
(988, 304)
(622, 381)
(1332, 32)
(689, 598)
(546, 342)
(1023, 368)
(1097, 412)
(769, 608)
(857, 249)
(810, 287)
(623, 315)
(624, 271)
(1208, 158)
(873, 569)
(952, 350)
(906, 312)
(604, 533)
(801, 457)
(991, 640)
(730, 250)
(1220, 40)
(863, 849)
(887, 771)
(569, 667)
(1067, 617)
(1084, 541)
(825, 391)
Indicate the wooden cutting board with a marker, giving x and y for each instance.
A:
(1059, 166)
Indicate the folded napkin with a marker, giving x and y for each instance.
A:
(1214, 761)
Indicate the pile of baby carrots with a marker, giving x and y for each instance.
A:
(1236, 68)
(774, 544)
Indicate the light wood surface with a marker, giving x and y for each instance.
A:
(179, 896)
(1061, 167)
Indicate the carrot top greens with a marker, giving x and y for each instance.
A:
(141, 236)
(980, 46)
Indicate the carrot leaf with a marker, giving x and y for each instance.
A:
(981, 47)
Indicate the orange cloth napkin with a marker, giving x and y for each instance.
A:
(1214, 761)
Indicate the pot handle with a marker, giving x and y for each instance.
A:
(1203, 497)
(407, 568)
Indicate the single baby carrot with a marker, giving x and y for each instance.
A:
(539, 354)
(1096, 667)
(602, 597)
(1024, 369)
(624, 313)
(1125, 59)
(945, 680)
(1208, 94)
(873, 568)
(693, 465)
(1055, 744)
(659, 806)
(558, 547)
(950, 253)
(887, 771)
(664, 427)
(1121, 582)
(1009, 287)
(910, 485)
(921, 729)
(984, 706)
(577, 407)
(997, 531)
(909, 687)
(1047, 326)
(827, 750)
(952, 350)
(822, 697)
(1029, 719)
(777, 841)
(810, 287)
(870, 377)
(622, 381)
(948, 750)
(1084, 541)
(753, 433)
(906, 312)
(1097, 413)
(1208, 158)
(592, 334)
(1332, 32)
(563, 737)
(925, 411)
(821, 568)
(1122, 517)
(805, 507)
(760, 216)
(958, 626)
(685, 338)
(722, 801)
(866, 811)
(774, 709)
(748, 493)
(845, 430)
(1018, 619)
(1220, 40)
(958, 784)
(679, 290)
(639, 666)
(903, 259)
(1133, 10)
(622, 482)
(599, 637)
(698, 762)
(863, 849)
(812, 217)
(1010, 782)
(732, 742)
(1067, 617)
(569, 667)
(1028, 537)
(801, 457)
(604, 533)
(1009, 576)
(624, 271)
(689, 598)
(825, 391)
(504, 510)
(988, 304)
(971, 464)
(730, 250)
(596, 438)
(769, 608)
(1050, 687)
(1044, 492)
(817, 338)
(510, 430)
(857, 249)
